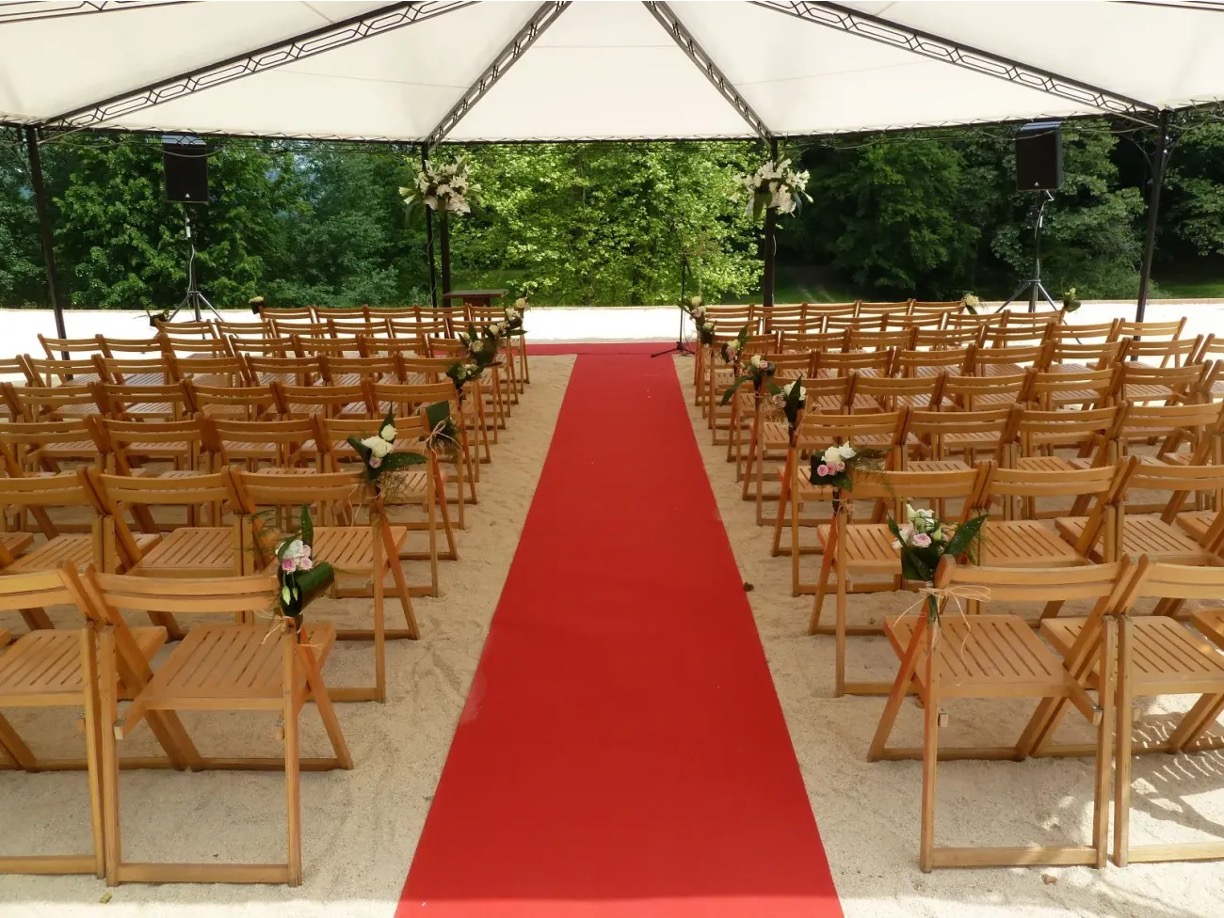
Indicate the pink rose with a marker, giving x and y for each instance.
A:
(822, 470)
(920, 540)
(375, 462)
(288, 565)
(841, 466)
(305, 564)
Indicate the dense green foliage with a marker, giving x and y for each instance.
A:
(926, 214)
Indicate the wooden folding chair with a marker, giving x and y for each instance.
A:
(1066, 389)
(223, 667)
(255, 344)
(135, 371)
(370, 551)
(59, 402)
(202, 330)
(1159, 656)
(327, 401)
(408, 399)
(955, 439)
(159, 402)
(57, 348)
(247, 403)
(884, 431)
(41, 446)
(1147, 385)
(771, 438)
(425, 488)
(220, 371)
(950, 360)
(349, 371)
(291, 371)
(61, 373)
(942, 339)
(857, 555)
(47, 669)
(997, 656)
(864, 363)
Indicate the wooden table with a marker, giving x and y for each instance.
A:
(474, 297)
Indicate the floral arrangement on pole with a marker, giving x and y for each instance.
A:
(461, 374)
(731, 350)
(837, 465)
(924, 539)
(482, 345)
(514, 318)
(298, 574)
(971, 304)
(443, 187)
(758, 372)
(695, 307)
(775, 186)
(791, 399)
(1070, 301)
(378, 455)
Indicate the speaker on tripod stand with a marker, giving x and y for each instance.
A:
(185, 162)
(1039, 170)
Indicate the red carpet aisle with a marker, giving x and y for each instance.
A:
(622, 751)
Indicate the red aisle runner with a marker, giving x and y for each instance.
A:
(622, 751)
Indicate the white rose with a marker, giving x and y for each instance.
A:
(388, 433)
(475, 346)
(832, 456)
(847, 452)
(756, 361)
(377, 446)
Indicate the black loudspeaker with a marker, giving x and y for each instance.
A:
(185, 160)
(1039, 156)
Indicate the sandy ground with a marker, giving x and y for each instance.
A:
(361, 827)
(868, 813)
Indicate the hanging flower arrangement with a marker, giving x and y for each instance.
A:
(463, 373)
(1071, 301)
(444, 187)
(300, 576)
(924, 539)
(514, 318)
(971, 304)
(791, 399)
(731, 350)
(696, 310)
(775, 186)
(482, 345)
(758, 372)
(378, 455)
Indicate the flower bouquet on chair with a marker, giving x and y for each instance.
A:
(378, 456)
(836, 467)
(300, 576)
(924, 539)
(482, 345)
(694, 308)
(463, 373)
(791, 399)
(759, 372)
(514, 318)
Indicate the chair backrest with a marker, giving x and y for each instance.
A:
(1098, 332)
(166, 402)
(38, 493)
(1178, 352)
(202, 330)
(263, 346)
(333, 495)
(1053, 389)
(134, 370)
(336, 369)
(413, 327)
(902, 488)
(919, 363)
(891, 393)
(37, 403)
(934, 428)
(135, 348)
(257, 328)
(300, 313)
(118, 439)
(1160, 580)
(1093, 354)
(216, 370)
(339, 346)
(352, 327)
(1144, 422)
(184, 346)
(53, 372)
(424, 369)
(1036, 429)
(310, 327)
(1170, 331)
(840, 364)
(55, 348)
(249, 402)
(296, 371)
(407, 399)
(914, 323)
(19, 592)
(805, 342)
(898, 308)
(992, 359)
(30, 440)
(228, 597)
(829, 394)
(280, 440)
(901, 339)
(943, 339)
(329, 401)
(884, 430)
(972, 393)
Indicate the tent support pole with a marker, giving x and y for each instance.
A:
(444, 250)
(46, 234)
(1158, 162)
(771, 241)
(429, 245)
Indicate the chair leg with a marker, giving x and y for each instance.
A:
(840, 662)
(401, 587)
(1125, 717)
(1197, 721)
(327, 710)
(780, 511)
(826, 566)
(930, 759)
(293, 785)
(384, 558)
(89, 654)
(108, 705)
(1104, 751)
(901, 685)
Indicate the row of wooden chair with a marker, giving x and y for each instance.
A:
(1096, 664)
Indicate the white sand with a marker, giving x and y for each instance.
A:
(361, 827)
(868, 812)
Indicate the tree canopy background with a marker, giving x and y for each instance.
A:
(927, 214)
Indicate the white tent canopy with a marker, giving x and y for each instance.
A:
(504, 71)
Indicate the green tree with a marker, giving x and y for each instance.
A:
(21, 268)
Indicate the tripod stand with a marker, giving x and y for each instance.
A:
(680, 347)
(194, 300)
(1033, 285)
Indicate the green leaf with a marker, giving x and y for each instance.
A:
(307, 526)
(394, 462)
(437, 413)
(730, 393)
(966, 537)
(355, 442)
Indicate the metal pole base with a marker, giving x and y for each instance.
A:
(1027, 287)
(680, 347)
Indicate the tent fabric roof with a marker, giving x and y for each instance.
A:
(599, 70)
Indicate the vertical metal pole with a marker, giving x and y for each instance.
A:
(444, 250)
(771, 242)
(1159, 161)
(45, 233)
(429, 245)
